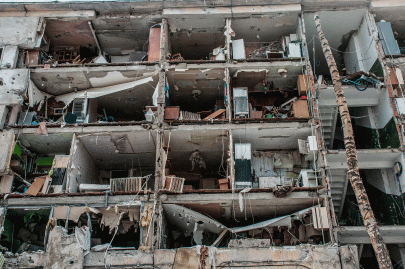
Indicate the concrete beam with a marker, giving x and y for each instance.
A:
(368, 158)
(239, 65)
(80, 14)
(233, 12)
(101, 68)
(83, 130)
(354, 98)
(265, 197)
(100, 200)
(358, 234)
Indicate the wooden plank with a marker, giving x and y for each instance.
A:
(47, 184)
(302, 85)
(6, 184)
(300, 109)
(36, 186)
(215, 114)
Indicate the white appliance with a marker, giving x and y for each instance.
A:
(294, 50)
(308, 178)
(238, 49)
(80, 110)
(240, 102)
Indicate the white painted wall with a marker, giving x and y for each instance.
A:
(352, 62)
(383, 111)
(361, 52)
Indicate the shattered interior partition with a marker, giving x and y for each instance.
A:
(196, 94)
(195, 36)
(117, 162)
(271, 34)
(93, 97)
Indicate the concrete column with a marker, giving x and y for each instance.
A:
(3, 115)
(14, 115)
(160, 166)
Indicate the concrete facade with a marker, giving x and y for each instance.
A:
(125, 142)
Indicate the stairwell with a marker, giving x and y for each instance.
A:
(338, 183)
(328, 117)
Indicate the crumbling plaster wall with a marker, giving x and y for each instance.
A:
(82, 168)
(7, 146)
(65, 253)
(21, 31)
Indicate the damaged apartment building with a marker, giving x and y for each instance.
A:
(198, 134)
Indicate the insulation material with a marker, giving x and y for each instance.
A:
(36, 96)
(111, 219)
(98, 92)
(146, 216)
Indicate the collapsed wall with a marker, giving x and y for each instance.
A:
(64, 251)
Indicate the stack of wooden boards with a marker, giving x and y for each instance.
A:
(40, 185)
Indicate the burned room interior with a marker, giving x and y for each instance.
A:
(25, 230)
(271, 92)
(195, 94)
(224, 225)
(91, 97)
(196, 38)
(116, 162)
(99, 41)
(102, 224)
(38, 165)
(200, 157)
(128, 39)
(271, 157)
(64, 42)
(267, 37)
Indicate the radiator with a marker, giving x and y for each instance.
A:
(126, 184)
(174, 184)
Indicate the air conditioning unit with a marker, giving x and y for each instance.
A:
(240, 102)
(312, 144)
(80, 110)
(309, 146)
